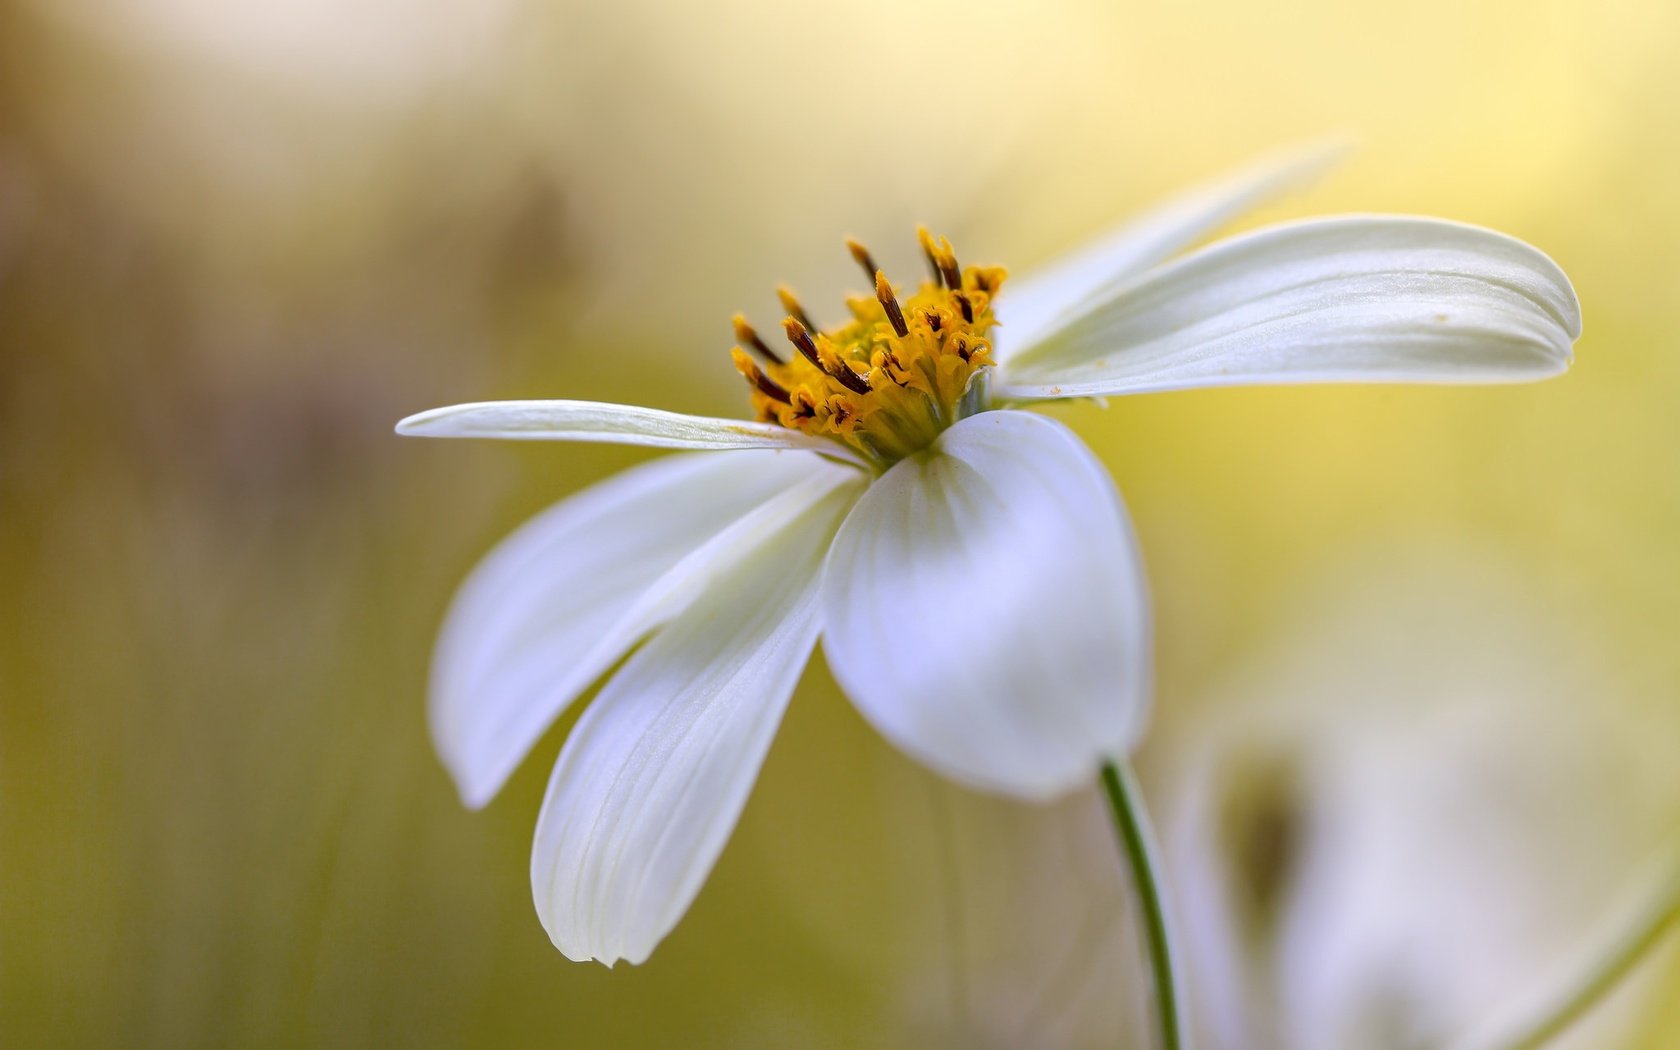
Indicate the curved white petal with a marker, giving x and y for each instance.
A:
(1031, 306)
(654, 776)
(601, 421)
(984, 606)
(1353, 298)
(556, 603)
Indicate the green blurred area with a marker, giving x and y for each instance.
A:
(238, 242)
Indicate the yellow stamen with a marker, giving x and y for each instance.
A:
(888, 382)
(755, 375)
(889, 303)
(800, 336)
(929, 251)
(790, 305)
(941, 258)
(745, 335)
(864, 259)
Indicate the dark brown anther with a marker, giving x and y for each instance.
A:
(800, 336)
(934, 321)
(966, 306)
(791, 305)
(861, 254)
(941, 259)
(929, 251)
(746, 336)
(769, 387)
(803, 406)
(843, 374)
(889, 303)
(948, 266)
(755, 375)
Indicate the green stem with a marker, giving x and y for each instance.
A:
(1137, 843)
(1611, 965)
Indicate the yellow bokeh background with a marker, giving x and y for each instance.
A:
(237, 242)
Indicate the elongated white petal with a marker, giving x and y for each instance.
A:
(1355, 299)
(600, 421)
(557, 602)
(1031, 306)
(984, 606)
(654, 776)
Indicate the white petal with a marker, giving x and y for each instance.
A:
(557, 602)
(1355, 299)
(984, 606)
(1030, 307)
(604, 422)
(654, 776)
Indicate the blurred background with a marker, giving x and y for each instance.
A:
(1419, 693)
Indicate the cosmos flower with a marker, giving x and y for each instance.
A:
(966, 562)
(1368, 856)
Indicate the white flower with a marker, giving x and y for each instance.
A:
(1366, 853)
(968, 565)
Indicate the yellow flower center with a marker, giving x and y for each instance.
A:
(887, 383)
